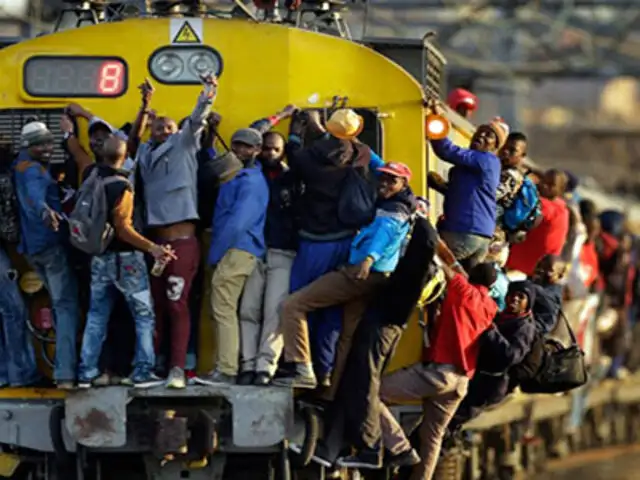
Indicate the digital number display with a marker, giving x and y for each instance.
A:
(75, 77)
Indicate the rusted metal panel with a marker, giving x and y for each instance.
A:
(261, 416)
(98, 417)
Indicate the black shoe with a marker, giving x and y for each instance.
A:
(366, 459)
(296, 376)
(262, 379)
(408, 458)
(246, 378)
(321, 455)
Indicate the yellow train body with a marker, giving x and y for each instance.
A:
(264, 67)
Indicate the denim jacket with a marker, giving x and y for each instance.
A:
(36, 190)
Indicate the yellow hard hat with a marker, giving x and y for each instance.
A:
(30, 283)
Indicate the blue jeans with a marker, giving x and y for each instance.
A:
(469, 249)
(313, 260)
(54, 269)
(17, 360)
(124, 272)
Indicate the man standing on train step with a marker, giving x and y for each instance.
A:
(470, 203)
(42, 241)
(168, 167)
(237, 242)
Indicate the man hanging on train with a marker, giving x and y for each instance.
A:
(167, 166)
(237, 242)
(121, 268)
(470, 202)
(325, 239)
(268, 285)
(43, 236)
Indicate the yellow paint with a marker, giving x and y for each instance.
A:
(8, 464)
(265, 67)
(186, 34)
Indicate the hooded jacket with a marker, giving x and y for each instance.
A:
(35, 190)
(322, 168)
(383, 238)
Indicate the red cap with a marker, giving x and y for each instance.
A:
(460, 95)
(396, 169)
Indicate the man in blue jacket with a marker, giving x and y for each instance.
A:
(470, 203)
(237, 242)
(373, 256)
(42, 243)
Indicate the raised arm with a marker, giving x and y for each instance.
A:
(195, 123)
(265, 124)
(71, 143)
(142, 118)
(446, 150)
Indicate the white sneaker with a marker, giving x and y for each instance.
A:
(176, 378)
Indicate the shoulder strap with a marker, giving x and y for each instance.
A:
(566, 322)
(115, 179)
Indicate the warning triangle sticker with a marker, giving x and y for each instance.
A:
(186, 34)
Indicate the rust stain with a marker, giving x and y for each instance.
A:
(94, 420)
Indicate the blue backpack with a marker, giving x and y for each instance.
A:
(525, 209)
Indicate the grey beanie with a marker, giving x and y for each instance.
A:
(248, 136)
(35, 133)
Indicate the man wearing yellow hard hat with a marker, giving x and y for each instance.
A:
(339, 198)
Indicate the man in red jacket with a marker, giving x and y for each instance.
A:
(550, 235)
(441, 379)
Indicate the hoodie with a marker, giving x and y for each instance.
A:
(322, 168)
(383, 238)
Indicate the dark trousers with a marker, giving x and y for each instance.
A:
(373, 347)
(171, 298)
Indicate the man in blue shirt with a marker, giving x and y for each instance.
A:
(470, 203)
(237, 242)
(42, 242)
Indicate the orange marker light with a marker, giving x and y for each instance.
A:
(436, 127)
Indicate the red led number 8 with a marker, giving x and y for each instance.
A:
(110, 79)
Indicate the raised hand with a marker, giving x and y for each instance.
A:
(146, 91)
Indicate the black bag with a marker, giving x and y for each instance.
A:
(357, 202)
(212, 172)
(551, 367)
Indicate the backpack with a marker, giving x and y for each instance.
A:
(9, 217)
(89, 227)
(551, 367)
(524, 210)
(358, 195)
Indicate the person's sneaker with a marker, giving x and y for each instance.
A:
(191, 376)
(262, 379)
(147, 381)
(366, 459)
(103, 380)
(408, 458)
(217, 378)
(246, 378)
(176, 378)
(66, 384)
(321, 455)
(299, 376)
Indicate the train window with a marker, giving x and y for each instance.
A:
(184, 65)
(73, 76)
(372, 132)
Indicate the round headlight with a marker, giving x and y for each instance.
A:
(168, 65)
(203, 62)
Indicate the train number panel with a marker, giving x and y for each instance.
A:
(74, 76)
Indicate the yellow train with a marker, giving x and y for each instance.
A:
(261, 68)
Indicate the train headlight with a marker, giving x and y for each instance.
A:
(436, 127)
(184, 65)
(168, 66)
